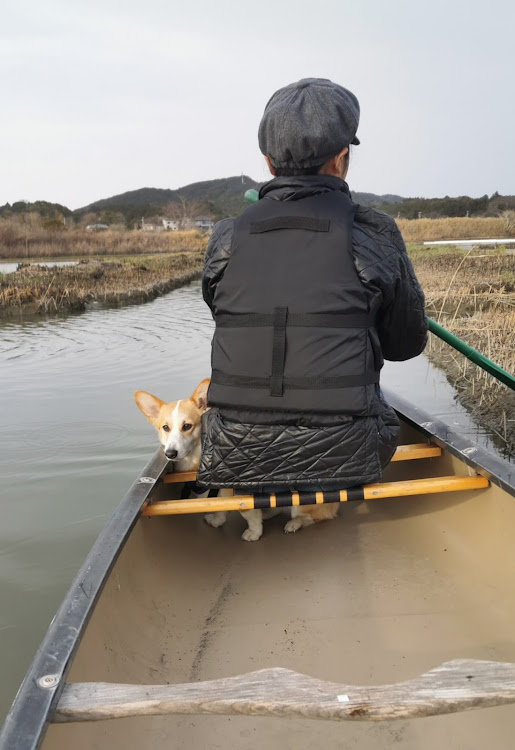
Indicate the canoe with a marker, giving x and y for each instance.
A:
(384, 627)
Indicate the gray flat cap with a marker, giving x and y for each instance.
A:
(306, 123)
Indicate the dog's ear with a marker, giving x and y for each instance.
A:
(148, 404)
(199, 395)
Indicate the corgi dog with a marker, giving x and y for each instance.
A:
(178, 424)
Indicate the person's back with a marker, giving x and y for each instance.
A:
(308, 292)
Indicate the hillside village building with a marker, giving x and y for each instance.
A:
(204, 223)
(151, 227)
(171, 224)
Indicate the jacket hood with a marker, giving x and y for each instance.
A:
(294, 188)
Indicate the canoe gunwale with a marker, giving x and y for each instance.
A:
(478, 458)
(35, 705)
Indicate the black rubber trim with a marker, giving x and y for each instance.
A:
(310, 223)
(307, 498)
(296, 384)
(283, 499)
(332, 496)
(301, 320)
(261, 502)
(355, 494)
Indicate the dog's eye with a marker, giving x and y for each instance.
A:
(166, 428)
(186, 426)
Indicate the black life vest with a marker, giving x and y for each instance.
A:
(294, 328)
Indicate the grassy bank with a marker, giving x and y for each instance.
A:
(461, 228)
(472, 294)
(30, 238)
(18, 242)
(37, 289)
(457, 281)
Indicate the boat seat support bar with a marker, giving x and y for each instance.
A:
(286, 499)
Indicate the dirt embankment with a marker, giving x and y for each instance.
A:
(37, 289)
(472, 294)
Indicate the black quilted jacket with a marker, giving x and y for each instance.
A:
(264, 451)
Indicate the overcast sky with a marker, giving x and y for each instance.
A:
(105, 96)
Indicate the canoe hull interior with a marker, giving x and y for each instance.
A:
(389, 590)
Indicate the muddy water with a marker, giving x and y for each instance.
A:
(71, 440)
(12, 267)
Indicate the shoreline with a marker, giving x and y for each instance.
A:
(473, 296)
(123, 299)
(492, 414)
(40, 290)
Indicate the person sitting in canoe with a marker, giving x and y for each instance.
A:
(309, 292)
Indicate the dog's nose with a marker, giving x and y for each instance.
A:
(169, 453)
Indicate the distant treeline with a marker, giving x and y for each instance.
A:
(437, 208)
(225, 197)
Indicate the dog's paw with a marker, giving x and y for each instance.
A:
(252, 535)
(294, 525)
(215, 519)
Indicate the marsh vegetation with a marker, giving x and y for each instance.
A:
(40, 289)
(472, 294)
(458, 228)
(31, 238)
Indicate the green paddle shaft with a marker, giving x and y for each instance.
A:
(472, 354)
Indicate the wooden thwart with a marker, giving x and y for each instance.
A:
(369, 492)
(416, 450)
(457, 685)
(402, 453)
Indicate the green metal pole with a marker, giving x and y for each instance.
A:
(472, 354)
(251, 196)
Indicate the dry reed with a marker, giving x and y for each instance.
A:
(479, 280)
(16, 243)
(41, 289)
(473, 296)
(459, 228)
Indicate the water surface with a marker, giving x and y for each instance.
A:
(11, 267)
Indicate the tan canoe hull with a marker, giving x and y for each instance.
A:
(389, 590)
